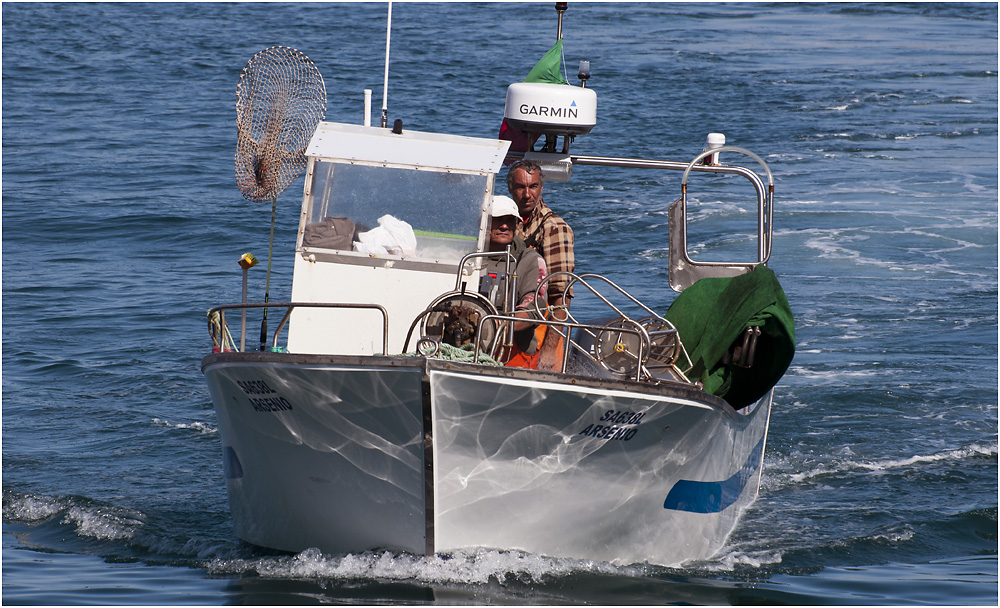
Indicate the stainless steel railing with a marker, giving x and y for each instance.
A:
(289, 307)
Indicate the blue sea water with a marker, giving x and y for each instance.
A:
(122, 225)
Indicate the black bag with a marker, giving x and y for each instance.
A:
(331, 233)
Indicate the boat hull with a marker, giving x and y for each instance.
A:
(349, 454)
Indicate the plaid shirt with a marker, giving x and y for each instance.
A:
(553, 238)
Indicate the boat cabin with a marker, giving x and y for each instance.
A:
(386, 217)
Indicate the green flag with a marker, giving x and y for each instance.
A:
(549, 67)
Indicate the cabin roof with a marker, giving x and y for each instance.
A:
(356, 143)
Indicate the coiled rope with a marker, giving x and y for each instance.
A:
(465, 354)
(462, 354)
(221, 337)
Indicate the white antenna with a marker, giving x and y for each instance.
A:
(385, 82)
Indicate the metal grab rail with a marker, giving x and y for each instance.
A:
(575, 278)
(683, 271)
(639, 331)
(290, 306)
(624, 325)
(579, 278)
(669, 165)
(510, 262)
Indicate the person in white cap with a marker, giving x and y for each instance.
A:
(529, 270)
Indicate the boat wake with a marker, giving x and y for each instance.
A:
(82, 526)
(467, 566)
(733, 559)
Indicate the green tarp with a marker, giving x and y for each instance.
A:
(713, 313)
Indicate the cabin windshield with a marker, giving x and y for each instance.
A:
(394, 212)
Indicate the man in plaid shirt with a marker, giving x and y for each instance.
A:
(552, 237)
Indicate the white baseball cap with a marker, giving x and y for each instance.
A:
(504, 206)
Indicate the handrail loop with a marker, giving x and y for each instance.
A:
(574, 279)
(639, 331)
(290, 306)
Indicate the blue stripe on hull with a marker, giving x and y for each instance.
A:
(713, 496)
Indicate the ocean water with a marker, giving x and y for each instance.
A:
(122, 225)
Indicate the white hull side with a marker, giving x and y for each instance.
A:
(342, 470)
(346, 469)
(514, 469)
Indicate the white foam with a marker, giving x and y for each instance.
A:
(835, 376)
(896, 536)
(887, 464)
(30, 508)
(956, 454)
(959, 244)
(728, 561)
(832, 246)
(699, 210)
(97, 521)
(463, 566)
(202, 427)
(102, 523)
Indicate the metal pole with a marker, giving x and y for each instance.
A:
(267, 284)
(246, 262)
(243, 322)
(368, 108)
(385, 82)
(560, 9)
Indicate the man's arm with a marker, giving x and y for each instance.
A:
(559, 257)
(525, 307)
(550, 351)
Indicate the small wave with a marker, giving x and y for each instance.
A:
(956, 454)
(30, 508)
(699, 210)
(78, 524)
(830, 246)
(891, 463)
(463, 566)
(837, 376)
(956, 243)
(893, 536)
(104, 523)
(96, 521)
(846, 247)
(735, 559)
(201, 427)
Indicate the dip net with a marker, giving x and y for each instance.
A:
(281, 98)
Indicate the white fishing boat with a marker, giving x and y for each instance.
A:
(358, 427)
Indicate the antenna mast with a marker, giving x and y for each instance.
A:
(385, 81)
(560, 9)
